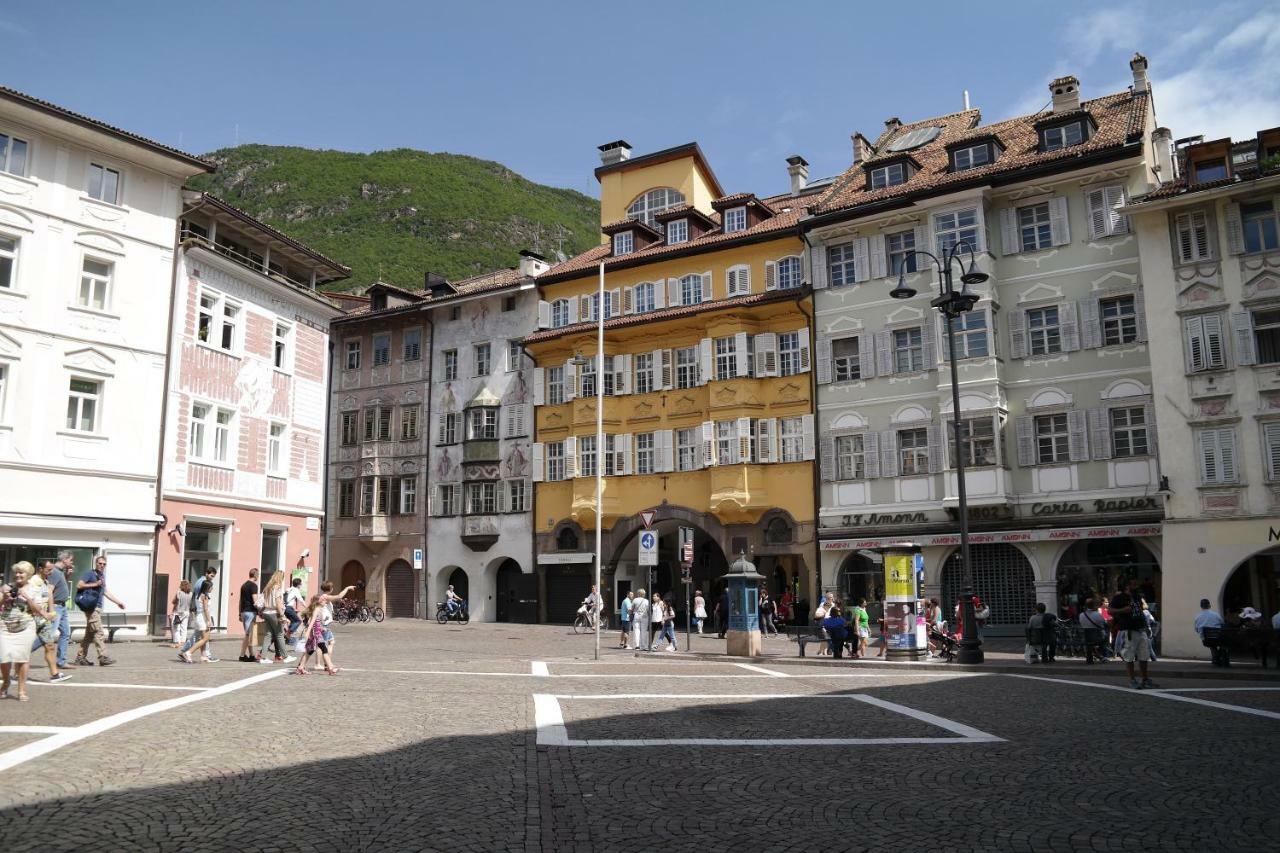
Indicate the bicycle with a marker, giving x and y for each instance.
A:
(583, 623)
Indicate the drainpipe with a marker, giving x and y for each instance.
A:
(813, 395)
(322, 560)
(426, 482)
(533, 498)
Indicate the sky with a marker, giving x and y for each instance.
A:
(537, 86)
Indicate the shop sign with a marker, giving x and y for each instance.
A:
(899, 577)
(563, 558)
(1069, 534)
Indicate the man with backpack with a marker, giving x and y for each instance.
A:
(1126, 613)
(90, 590)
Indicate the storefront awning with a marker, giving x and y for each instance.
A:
(1038, 535)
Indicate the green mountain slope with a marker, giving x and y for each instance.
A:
(396, 214)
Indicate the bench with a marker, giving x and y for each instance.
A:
(803, 635)
(112, 621)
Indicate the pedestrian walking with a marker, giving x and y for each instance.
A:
(722, 612)
(640, 622)
(326, 597)
(46, 624)
(59, 591)
(860, 623)
(272, 614)
(1041, 632)
(200, 619)
(766, 615)
(250, 604)
(625, 610)
(669, 625)
(315, 633)
(90, 591)
(294, 602)
(181, 605)
(837, 631)
(1126, 613)
(656, 613)
(19, 610)
(699, 610)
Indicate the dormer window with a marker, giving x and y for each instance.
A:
(735, 219)
(677, 231)
(1210, 170)
(972, 157)
(888, 176)
(623, 242)
(1062, 136)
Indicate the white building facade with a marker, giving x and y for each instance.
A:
(88, 215)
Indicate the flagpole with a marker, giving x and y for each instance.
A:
(600, 312)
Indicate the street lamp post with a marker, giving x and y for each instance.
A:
(952, 303)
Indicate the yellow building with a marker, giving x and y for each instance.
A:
(708, 413)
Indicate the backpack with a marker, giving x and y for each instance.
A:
(196, 592)
(87, 599)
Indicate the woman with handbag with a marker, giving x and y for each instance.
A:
(18, 612)
(272, 613)
(181, 604)
(669, 626)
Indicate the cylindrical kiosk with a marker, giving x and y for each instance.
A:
(743, 636)
(902, 620)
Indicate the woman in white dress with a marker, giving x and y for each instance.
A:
(18, 612)
(699, 610)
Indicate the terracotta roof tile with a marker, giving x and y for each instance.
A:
(1181, 187)
(495, 280)
(669, 313)
(1119, 118)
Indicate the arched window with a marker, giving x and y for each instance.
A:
(789, 273)
(566, 539)
(559, 313)
(778, 532)
(642, 298)
(691, 289)
(652, 202)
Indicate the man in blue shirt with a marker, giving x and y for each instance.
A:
(626, 618)
(59, 592)
(1209, 618)
(96, 579)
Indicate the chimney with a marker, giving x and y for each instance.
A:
(1066, 94)
(615, 152)
(861, 149)
(436, 285)
(892, 124)
(1162, 145)
(532, 264)
(798, 169)
(1139, 67)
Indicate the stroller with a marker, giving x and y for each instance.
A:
(946, 643)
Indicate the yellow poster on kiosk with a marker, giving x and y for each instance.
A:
(899, 578)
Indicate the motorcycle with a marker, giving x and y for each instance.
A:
(459, 614)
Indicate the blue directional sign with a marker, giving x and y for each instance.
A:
(648, 548)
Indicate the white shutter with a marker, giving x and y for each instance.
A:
(615, 302)
(823, 360)
(929, 345)
(1059, 221)
(1194, 343)
(1214, 354)
(706, 287)
(570, 380)
(662, 366)
(584, 306)
(1140, 313)
(879, 259)
(944, 344)
(884, 353)
(1227, 449)
(742, 354)
(1099, 215)
(622, 374)
(502, 487)
(1090, 325)
(770, 275)
(628, 300)
(922, 241)
(818, 267)
(866, 357)
(1070, 327)
(744, 441)
(861, 260)
(440, 422)
(936, 445)
(673, 292)
(1149, 418)
(544, 314)
(665, 450)
(622, 451)
(766, 354)
(1100, 433)
(1017, 333)
(708, 444)
(574, 316)
(1077, 436)
(1114, 199)
(1207, 446)
(659, 294)
(1270, 448)
(1242, 330)
(570, 457)
(888, 453)
(705, 361)
(766, 429)
(827, 458)
(805, 359)
(1235, 231)
(539, 386)
(1010, 239)
(871, 454)
(806, 435)
(1025, 435)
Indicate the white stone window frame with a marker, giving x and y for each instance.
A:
(353, 348)
(735, 220)
(623, 243)
(6, 155)
(889, 175)
(211, 429)
(937, 232)
(649, 453)
(92, 280)
(14, 256)
(106, 166)
(677, 231)
(555, 461)
(691, 289)
(969, 160)
(560, 315)
(218, 321)
(481, 359)
(278, 447)
(283, 336)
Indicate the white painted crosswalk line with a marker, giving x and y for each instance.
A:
(761, 669)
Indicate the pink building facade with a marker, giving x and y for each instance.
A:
(242, 478)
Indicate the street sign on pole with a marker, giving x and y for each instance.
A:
(647, 516)
(417, 558)
(686, 544)
(648, 548)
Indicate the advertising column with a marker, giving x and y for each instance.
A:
(901, 606)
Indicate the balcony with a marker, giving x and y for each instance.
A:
(738, 492)
(478, 450)
(374, 528)
(479, 532)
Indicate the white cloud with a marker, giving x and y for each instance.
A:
(1108, 29)
(15, 29)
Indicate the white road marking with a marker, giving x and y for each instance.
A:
(31, 730)
(1217, 690)
(551, 729)
(753, 668)
(1159, 694)
(938, 676)
(25, 753)
(63, 684)
(540, 668)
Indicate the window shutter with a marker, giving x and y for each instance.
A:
(1059, 222)
(1227, 449)
(673, 292)
(742, 354)
(440, 420)
(706, 287)
(766, 354)
(866, 356)
(818, 267)
(766, 429)
(1140, 313)
(665, 450)
(574, 316)
(622, 374)
(1207, 444)
(1149, 418)
(1024, 431)
(1009, 236)
(1214, 355)
(929, 345)
(544, 314)
(920, 238)
(805, 359)
(432, 503)
(888, 453)
(744, 441)
(622, 451)
(827, 458)
(822, 362)
(1100, 433)
(662, 369)
(659, 294)
(770, 275)
(1099, 214)
(570, 457)
(704, 353)
(1017, 333)
(936, 446)
(871, 454)
(502, 487)
(861, 260)
(628, 300)
(1193, 341)
(1235, 231)
(1271, 448)
(731, 282)
(584, 306)
(1242, 329)
(884, 353)
(1114, 199)
(807, 438)
(570, 380)
(1090, 326)
(708, 444)
(1077, 439)
(1070, 327)
(879, 259)
(944, 345)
